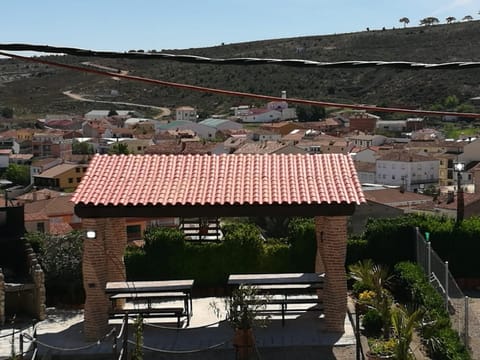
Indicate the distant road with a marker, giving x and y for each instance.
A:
(164, 111)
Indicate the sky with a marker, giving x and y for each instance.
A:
(121, 25)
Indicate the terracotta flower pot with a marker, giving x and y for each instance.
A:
(244, 341)
(371, 356)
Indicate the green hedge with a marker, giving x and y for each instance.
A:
(389, 241)
(166, 255)
(411, 286)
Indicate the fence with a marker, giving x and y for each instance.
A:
(459, 306)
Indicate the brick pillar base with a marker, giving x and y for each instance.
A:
(334, 250)
(102, 262)
(94, 279)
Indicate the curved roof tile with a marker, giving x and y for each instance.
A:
(219, 180)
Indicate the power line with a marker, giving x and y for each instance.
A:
(244, 94)
(240, 60)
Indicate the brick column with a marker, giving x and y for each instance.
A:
(102, 262)
(319, 262)
(334, 250)
(115, 243)
(94, 279)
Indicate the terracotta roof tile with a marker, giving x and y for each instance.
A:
(219, 179)
(60, 228)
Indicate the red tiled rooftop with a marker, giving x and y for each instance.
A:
(219, 180)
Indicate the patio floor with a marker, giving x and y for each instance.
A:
(303, 337)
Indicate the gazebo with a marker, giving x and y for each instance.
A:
(115, 187)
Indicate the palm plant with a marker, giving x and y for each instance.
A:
(371, 276)
(375, 277)
(404, 324)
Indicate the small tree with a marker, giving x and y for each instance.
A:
(61, 259)
(18, 174)
(467, 18)
(450, 19)
(82, 148)
(405, 21)
(118, 149)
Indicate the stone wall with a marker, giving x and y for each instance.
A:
(37, 307)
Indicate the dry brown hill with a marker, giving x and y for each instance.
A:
(37, 89)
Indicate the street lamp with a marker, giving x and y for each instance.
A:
(459, 167)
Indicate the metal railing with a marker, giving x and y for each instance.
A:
(463, 319)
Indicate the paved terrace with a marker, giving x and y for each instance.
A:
(303, 337)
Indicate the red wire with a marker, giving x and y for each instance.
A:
(243, 94)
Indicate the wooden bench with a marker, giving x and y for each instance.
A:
(151, 312)
(286, 285)
(284, 309)
(149, 293)
(148, 298)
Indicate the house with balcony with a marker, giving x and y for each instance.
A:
(51, 144)
(411, 171)
(65, 177)
(365, 141)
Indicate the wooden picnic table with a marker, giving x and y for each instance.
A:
(150, 292)
(285, 284)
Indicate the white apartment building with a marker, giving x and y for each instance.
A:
(412, 171)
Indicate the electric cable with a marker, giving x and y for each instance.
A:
(238, 60)
(244, 94)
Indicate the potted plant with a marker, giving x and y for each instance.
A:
(244, 310)
(381, 349)
(404, 323)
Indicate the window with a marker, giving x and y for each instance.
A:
(134, 232)
(41, 227)
(78, 179)
(77, 170)
(70, 180)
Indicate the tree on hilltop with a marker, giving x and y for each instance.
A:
(428, 21)
(467, 18)
(405, 21)
(450, 19)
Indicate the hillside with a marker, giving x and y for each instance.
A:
(33, 89)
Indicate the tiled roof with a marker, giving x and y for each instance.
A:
(58, 170)
(405, 156)
(219, 180)
(391, 196)
(60, 228)
(260, 147)
(57, 206)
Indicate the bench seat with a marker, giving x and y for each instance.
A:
(284, 309)
(152, 312)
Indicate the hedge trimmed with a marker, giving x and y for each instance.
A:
(410, 285)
